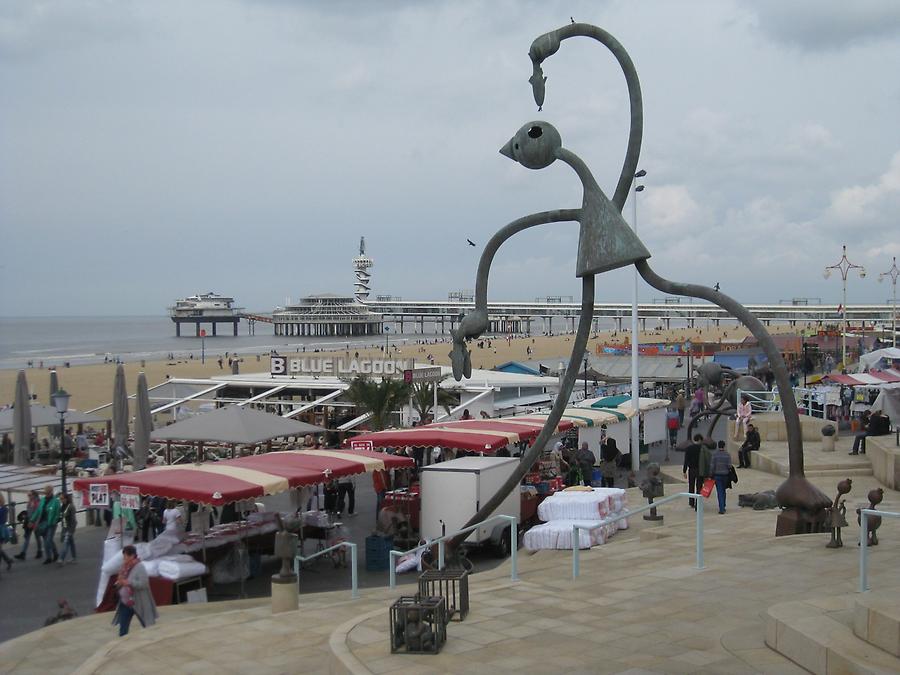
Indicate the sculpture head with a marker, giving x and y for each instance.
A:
(844, 486)
(534, 146)
(875, 496)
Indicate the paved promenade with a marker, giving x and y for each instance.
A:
(640, 606)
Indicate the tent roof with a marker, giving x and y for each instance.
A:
(47, 416)
(871, 379)
(873, 359)
(481, 435)
(219, 483)
(233, 424)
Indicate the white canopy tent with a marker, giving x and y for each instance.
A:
(878, 359)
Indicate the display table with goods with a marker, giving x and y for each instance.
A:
(582, 506)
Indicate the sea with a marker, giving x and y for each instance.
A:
(56, 341)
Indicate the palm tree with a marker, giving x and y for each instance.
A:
(423, 399)
(379, 399)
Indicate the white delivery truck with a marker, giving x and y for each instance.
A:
(453, 491)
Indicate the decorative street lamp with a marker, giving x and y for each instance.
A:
(635, 344)
(585, 374)
(844, 266)
(61, 403)
(893, 273)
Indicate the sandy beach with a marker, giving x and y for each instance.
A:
(91, 385)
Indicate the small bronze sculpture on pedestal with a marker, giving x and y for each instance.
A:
(873, 522)
(837, 514)
(652, 486)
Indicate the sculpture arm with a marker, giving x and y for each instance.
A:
(548, 44)
(474, 323)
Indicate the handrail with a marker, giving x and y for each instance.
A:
(863, 544)
(354, 584)
(576, 560)
(770, 401)
(513, 545)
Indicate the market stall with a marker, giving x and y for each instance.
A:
(218, 484)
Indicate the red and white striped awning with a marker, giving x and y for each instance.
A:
(872, 378)
(227, 481)
(481, 435)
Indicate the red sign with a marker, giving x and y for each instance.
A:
(202, 332)
(362, 445)
(130, 497)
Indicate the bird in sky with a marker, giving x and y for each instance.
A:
(471, 243)
(716, 286)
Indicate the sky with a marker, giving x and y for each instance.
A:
(152, 150)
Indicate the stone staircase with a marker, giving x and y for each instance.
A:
(818, 460)
(856, 633)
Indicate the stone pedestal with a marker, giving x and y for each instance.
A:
(285, 596)
(828, 443)
(793, 521)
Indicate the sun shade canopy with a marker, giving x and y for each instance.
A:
(218, 483)
(233, 424)
(482, 435)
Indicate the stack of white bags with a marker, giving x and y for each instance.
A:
(585, 508)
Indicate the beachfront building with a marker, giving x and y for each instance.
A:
(327, 315)
(205, 308)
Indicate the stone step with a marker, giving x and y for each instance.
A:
(838, 473)
(819, 636)
(876, 619)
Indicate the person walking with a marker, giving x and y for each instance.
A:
(45, 519)
(744, 413)
(135, 598)
(691, 467)
(720, 468)
(750, 444)
(69, 522)
(680, 406)
(34, 500)
(346, 493)
(5, 532)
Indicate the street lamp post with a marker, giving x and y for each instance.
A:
(844, 266)
(61, 403)
(893, 273)
(585, 374)
(635, 382)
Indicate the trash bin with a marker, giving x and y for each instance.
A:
(828, 437)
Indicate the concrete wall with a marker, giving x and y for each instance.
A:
(884, 454)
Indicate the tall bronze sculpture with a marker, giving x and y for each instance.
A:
(606, 242)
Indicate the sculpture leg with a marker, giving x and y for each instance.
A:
(796, 491)
(559, 405)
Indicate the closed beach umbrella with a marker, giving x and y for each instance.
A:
(54, 385)
(22, 422)
(143, 424)
(120, 409)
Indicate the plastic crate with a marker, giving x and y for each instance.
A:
(378, 553)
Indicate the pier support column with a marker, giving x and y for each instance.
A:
(177, 329)
(214, 328)
(197, 326)
(235, 328)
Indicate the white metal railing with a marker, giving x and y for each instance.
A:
(770, 401)
(513, 545)
(354, 584)
(576, 551)
(864, 541)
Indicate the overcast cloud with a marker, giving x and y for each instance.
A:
(150, 150)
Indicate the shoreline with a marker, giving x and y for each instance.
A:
(91, 385)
